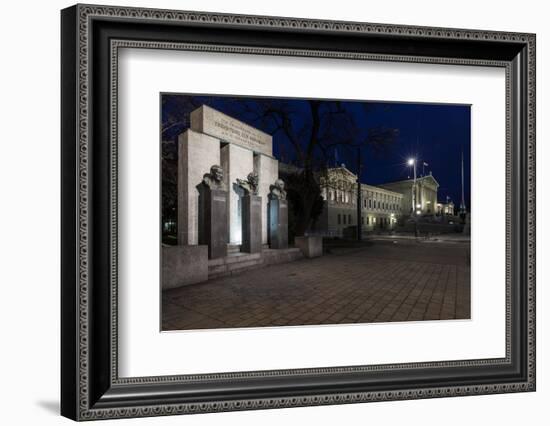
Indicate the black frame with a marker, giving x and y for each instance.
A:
(90, 387)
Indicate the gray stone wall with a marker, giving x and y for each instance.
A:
(196, 154)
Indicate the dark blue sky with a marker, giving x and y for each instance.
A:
(433, 133)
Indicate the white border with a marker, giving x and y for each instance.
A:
(144, 351)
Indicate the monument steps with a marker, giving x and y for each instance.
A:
(233, 248)
(239, 262)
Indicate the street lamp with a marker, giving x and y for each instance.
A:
(412, 162)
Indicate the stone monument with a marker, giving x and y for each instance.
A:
(213, 213)
(278, 216)
(241, 148)
(217, 206)
(251, 218)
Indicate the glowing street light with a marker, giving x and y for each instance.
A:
(411, 161)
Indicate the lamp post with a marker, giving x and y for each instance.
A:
(359, 213)
(412, 162)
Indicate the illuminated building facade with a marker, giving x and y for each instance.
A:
(380, 208)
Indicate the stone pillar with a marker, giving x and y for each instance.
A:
(196, 154)
(267, 169)
(213, 221)
(278, 224)
(251, 224)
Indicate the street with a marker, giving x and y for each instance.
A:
(377, 281)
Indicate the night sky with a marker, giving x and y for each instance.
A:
(433, 133)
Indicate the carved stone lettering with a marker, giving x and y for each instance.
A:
(214, 123)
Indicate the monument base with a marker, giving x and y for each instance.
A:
(278, 224)
(183, 265)
(251, 224)
(310, 246)
(213, 221)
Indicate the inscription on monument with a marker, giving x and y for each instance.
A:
(221, 126)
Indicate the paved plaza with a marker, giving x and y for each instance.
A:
(377, 281)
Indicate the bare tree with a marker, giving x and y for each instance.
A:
(314, 129)
(308, 131)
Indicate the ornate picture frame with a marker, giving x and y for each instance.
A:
(91, 38)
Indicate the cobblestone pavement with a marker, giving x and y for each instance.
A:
(378, 282)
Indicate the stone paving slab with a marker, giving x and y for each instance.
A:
(377, 282)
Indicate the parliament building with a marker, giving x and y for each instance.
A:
(382, 206)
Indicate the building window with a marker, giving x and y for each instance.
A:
(349, 219)
(339, 219)
(344, 219)
(370, 204)
(367, 220)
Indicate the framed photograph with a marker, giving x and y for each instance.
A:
(263, 212)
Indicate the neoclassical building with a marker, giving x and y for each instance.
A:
(426, 194)
(380, 209)
(382, 205)
(447, 209)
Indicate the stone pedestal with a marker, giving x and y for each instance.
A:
(268, 171)
(310, 246)
(252, 224)
(183, 265)
(278, 224)
(213, 221)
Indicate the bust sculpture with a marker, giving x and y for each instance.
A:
(277, 190)
(214, 179)
(250, 185)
